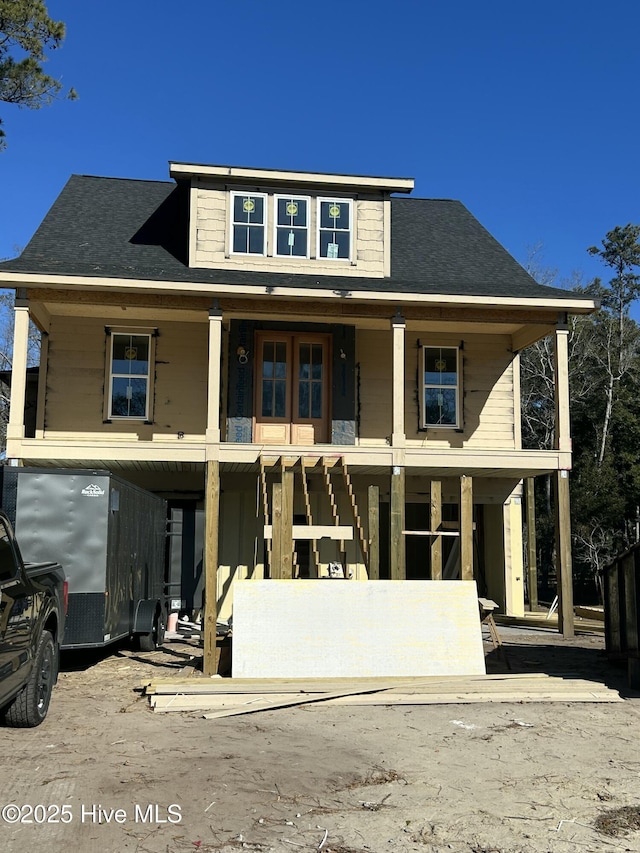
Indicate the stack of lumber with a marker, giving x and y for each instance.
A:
(225, 697)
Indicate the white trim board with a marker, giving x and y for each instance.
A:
(327, 628)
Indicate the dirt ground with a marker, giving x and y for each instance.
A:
(485, 778)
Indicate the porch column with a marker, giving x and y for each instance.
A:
(211, 536)
(398, 326)
(213, 384)
(563, 506)
(561, 368)
(15, 427)
(466, 528)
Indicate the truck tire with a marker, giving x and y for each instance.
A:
(152, 640)
(30, 706)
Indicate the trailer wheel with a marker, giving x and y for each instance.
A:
(30, 706)
(152, 640)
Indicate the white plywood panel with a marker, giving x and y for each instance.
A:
(337, 628)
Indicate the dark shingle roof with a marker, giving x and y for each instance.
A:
(112, 227)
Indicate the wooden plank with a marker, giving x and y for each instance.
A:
(276, 538)
(435, 520)
(212, 517)
(373, 503)
(315, 531)
(466, 528)
(532, 569)
(398, 552)
(323, 685)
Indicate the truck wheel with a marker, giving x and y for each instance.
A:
(155, 638)
(30, 706)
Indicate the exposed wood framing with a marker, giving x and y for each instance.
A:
(435, 521)
(356, 514)
(212, 522)
(398, 551)
(307, 510)
(373, 502)
(466, 528)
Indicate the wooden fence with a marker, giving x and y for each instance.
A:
(621, 582)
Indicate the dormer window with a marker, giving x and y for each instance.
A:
(292, 226)
(334, 228)
(248, 223)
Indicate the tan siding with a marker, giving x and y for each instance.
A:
(487, 384)
(76, 364)
(373, 353)
(212, 243)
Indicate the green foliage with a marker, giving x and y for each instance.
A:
(26, 33)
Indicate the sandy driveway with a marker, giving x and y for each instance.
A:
(109, 775)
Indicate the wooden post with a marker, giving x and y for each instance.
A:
(398, 559)
(631, 619)
(276, 532)
(563, 555)
(466, 528)
(435, 521)
(532, 569)
(286, 520)
(373, 496)
(15, 427)
(212, 524)
(398, 326)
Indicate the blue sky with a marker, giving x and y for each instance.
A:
(525, 111)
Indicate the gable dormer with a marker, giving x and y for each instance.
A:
(266, 220)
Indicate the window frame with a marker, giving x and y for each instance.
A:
(291, 197)
(130, 331)
(350, 231)
(232, 223)
(423, 386)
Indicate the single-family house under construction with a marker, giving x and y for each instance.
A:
(319, 373)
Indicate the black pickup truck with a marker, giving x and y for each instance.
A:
(32, 613)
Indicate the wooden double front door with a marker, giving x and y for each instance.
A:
(292, 388)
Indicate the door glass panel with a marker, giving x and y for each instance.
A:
(274, 379)
(310, 381)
